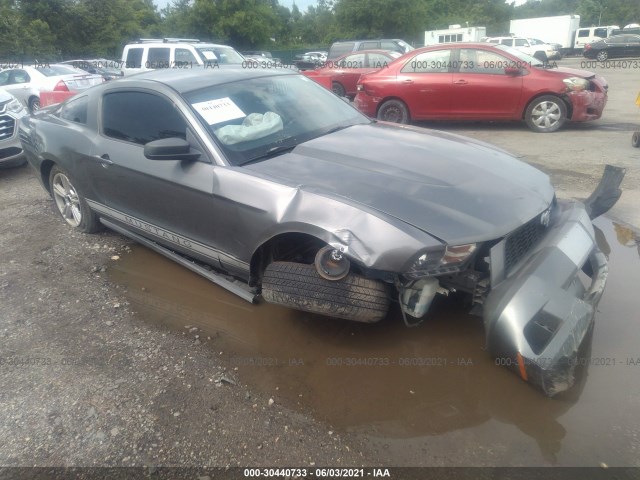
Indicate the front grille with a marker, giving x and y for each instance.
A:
(7, 126)
(521, 241)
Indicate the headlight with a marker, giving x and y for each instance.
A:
(576, 84)
(439, 261)
(15, 106)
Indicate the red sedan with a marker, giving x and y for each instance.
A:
(346, 70)
(480, 81)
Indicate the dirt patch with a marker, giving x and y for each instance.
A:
(85, 381)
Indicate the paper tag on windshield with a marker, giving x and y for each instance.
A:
(218, 111)
(209, 55)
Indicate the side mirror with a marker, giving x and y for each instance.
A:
(513, 71)
(173, 148)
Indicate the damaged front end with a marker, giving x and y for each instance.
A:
(537, 314)
(542, 302)
(537, 288)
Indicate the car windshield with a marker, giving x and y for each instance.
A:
(256, 118)
(528, 59)
(219, 55)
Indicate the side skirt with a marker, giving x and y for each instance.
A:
(243, 292)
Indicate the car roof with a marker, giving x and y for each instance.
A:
(177, 44)
(187, 80)
(373, 50)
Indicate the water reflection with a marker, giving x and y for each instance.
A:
(383, 380)
(626, 236)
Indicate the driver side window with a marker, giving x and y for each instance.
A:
(140, 117)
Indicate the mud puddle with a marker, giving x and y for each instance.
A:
(429, 394)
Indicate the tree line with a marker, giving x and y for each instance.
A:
(47, 30)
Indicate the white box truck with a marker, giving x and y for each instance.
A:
(455, 33)
(560, 29)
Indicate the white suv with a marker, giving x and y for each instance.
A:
(152, 53)
(528, 46)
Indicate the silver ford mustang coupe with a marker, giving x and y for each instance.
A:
(269, 185)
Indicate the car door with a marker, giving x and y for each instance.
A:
(614, 47)
(348, 71)
(18, 84)
(481, 86)
(424, 83)
(634, 46)
(523, 45)
(631, 46)
(168, 201)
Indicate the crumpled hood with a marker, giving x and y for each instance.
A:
(449, 186)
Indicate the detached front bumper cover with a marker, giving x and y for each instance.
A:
(537, 317)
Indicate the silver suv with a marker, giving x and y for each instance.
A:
(11, 110)
(154, 53)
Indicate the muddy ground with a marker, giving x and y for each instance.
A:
(112, 355)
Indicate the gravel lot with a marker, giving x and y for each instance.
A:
(85, 382)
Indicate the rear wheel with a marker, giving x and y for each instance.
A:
(546, 114)
(299, 286)
(34, 104)
(71, 205)
(338, 89)
(394, 111)
(635, 140)
(602, 56)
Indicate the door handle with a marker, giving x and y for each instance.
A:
(407, 80)
(460, 82)
(103, 159)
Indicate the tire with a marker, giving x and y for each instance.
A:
(546, 114)
(602, 55)
(635, 139)
(338, 89)
(394, 111)
(34, 104)
(299, 286)
(70, 204)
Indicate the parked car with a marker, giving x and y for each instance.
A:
(26, 83)
(338, 49)
(310, 60)
(616, 46)
(541, 51)
(480, 81)
(11, 111)
(156, 53)
(261, 55)
(346, 70)
(109, 69)
(285, 190)
(554, 54)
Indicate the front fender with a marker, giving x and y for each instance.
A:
(373, 240)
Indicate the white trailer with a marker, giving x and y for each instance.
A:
(455, 33)
(560, 29)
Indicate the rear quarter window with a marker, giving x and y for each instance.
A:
(339, 49)
(75, 110)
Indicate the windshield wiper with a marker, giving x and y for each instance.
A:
(272, 152)
(336, 129)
